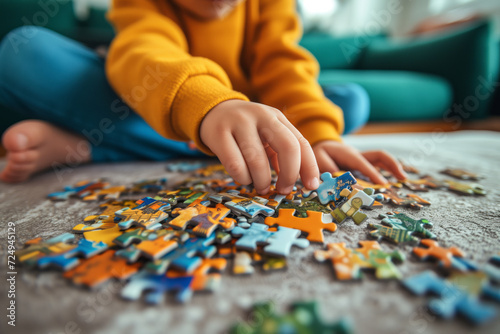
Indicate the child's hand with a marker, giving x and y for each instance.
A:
(331, 155)
(245, 136)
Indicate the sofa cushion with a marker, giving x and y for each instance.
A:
(397, 95)
(337, 52)
(467, 58)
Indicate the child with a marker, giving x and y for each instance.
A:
(189, 68)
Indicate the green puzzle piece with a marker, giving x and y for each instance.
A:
(399, 228)
(303, 319)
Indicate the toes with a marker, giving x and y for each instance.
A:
(23, 157)
(24, 135)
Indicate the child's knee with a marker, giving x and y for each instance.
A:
(354, 101)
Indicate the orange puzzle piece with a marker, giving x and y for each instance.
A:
(444, 255)
(202, 278)
(100, 268)
(312, 225)
(206, 219)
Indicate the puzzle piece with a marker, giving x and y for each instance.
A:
(241, 205)
(108, 193)
(185, 166)
(329, 190)
(143, 186)
(349, 263)
(276, 243)
(148, 213)
(411, 200)
(206, 219)
(155, 286)
(36, 249)
(152, 244)
(100, 268)
(424, 183)
(304, 205)
(464, 188)
(107, 236)
(186, 257)
(211, 170)
(312, 225)
(80, 189)
(303, 319)
(356, 199)
(462, 174)
(68, 259)
(104, 220)
(400, 228)
(459, 294)
(204, 279)
(448, 257)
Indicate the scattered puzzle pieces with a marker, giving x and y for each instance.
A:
(458, 294)
(241, 205)
(302, 319)
(68, 259)
(187, 257)
(100, 268)
(80, 190)
(411, 200)
(349, 263)
(36, 248)
(148, 213)
(399, 228)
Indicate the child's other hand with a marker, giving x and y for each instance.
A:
(331, 155)
(246, 136)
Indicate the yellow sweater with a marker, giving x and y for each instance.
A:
(173, 68)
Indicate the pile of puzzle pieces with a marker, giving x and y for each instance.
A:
(179, 240)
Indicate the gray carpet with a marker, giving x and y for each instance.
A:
(46, 303)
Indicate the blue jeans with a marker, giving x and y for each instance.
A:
(49, 77)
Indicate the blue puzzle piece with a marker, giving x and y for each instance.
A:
(187, 257)
(241, 205)
(277, 243)
(184, 166)
(68, 260)
(282, 240)
(68, 192)
(452, 299)
(329, 190)
(155, 286)
(148, 213)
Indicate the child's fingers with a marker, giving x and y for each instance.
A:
(286, 145)
(325, 162)
(273, 158)
(354, 160)
(309, 170)
(387, 161)
(229, 154)
(256, 159)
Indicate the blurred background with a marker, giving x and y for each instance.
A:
(426, 65)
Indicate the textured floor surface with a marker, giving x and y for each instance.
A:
(46, 303)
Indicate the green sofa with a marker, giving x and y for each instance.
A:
(418, 79)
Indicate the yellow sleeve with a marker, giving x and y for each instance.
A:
(285, 75)
(149, 66)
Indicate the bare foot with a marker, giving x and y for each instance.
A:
(33, 146)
